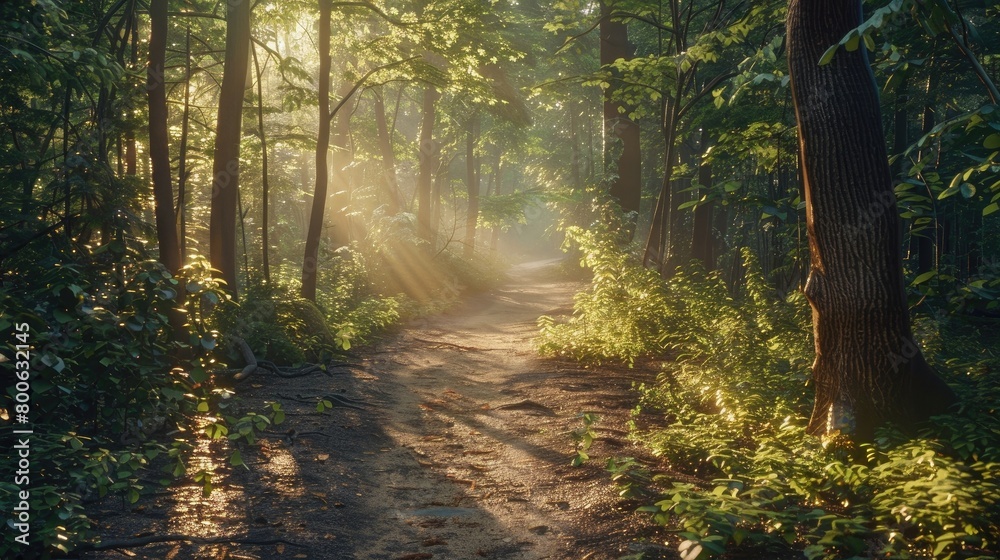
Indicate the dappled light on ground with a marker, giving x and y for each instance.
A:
(222, 513)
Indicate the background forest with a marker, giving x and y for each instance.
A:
(180, 177)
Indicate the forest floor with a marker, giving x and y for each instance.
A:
(461, 451)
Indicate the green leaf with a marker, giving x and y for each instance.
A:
(869, 42)
(853, 42)
(828, 55)
(968, 190)
(992, 142)
(923, 278)
(62, 316)
(199, 375)
(991, 208)
(237, 459)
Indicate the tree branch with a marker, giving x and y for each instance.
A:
(361, 82)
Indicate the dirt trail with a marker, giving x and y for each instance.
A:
(461, 452)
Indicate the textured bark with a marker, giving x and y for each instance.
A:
(226, 167)
(428, 155)
(627, 187)
(868, 368)
(159, 149)
(310, 262)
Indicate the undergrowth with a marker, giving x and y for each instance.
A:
(738, 473)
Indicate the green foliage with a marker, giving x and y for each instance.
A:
(104, 378)
(736, 404)
(584, 438)
(620, 317)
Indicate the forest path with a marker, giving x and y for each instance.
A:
(462, 450)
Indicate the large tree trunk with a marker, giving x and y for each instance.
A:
(159, 149)
(627, 187)
(868, 368)
(472, 186)
(226, 167)
(427, 157)
(310, 262)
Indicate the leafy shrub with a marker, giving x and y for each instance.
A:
(620, 317)
(107, 372)
(739, 472)
(737, 404)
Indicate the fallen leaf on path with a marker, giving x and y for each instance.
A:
(322, 457)
(281, 548)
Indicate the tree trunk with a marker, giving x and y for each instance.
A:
(868, 368)
(226, 167)
(703, 244)
(159, 148)
(340, 198)
(388, 158)
(428, 154)
(182, 170)
(472, 184)
(927, 252)
(310, 262)
(627, 187)
(265, 185)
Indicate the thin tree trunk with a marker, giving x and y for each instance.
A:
(927, 250)
(472, 184)
(388, 158)
(627, 187)
(265, 185)
(340, 198)
(182, 170)
(131, 159)
(574, 139)
(678, 244)
(703, 245)
(226, 167)
(428, 154)
(159, 149)
(868, 368)
(310, 262)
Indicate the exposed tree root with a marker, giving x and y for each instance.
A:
(154, 539)
(335, 399)
(253, 365)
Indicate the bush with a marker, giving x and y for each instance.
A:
(739, 472)
(104, 378)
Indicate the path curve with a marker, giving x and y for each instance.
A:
(461, 452)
